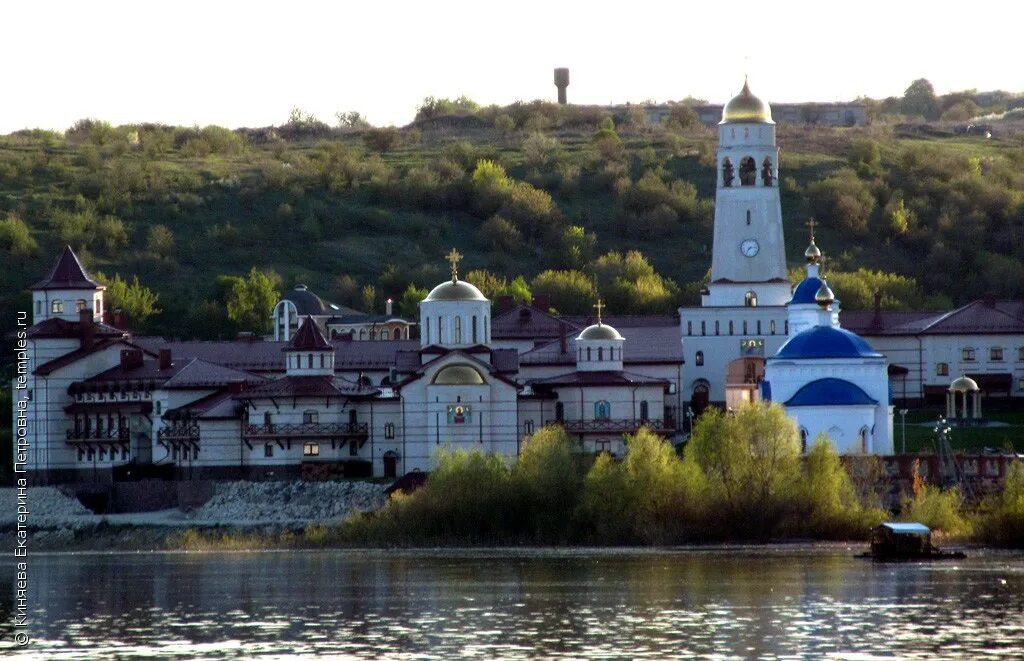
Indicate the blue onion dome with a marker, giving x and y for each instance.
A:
(826, 342)
(806, 291)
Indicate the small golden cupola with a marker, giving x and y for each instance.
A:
(745, 107)
(824, 297)
(813, 252)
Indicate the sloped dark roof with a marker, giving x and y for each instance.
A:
(356, 317)
(307, 386)
(621, 321)
(976, 318)
(588, 379)
(644, 344)
(56, 327)
(505, 361)
(199, 373)
(78, 354)
(309, 337)
(527, 322)
(67, 273)
(220, 405)
(260, 356)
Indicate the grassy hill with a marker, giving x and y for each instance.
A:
(936, 218)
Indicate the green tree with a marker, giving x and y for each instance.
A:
(251, 300)
(382, 140)
(577, 247)
(409, 304)
(919, 100)
(682, 117)
(571, 292)
(548, 479)
(15, 237)
(501, 235)
(160, 241)
(829, 503)
(138, 302)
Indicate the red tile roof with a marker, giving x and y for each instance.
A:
(307, 386)
(220, 405)
(55, 327)
(67, 273)
(308, 338)
(78, 354)
(588, 379)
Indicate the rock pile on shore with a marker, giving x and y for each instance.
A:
(46, 505)
(288, 502)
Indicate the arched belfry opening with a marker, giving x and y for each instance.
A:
(767, 173)
(728, 172)
(748, 171)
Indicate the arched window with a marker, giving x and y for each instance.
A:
(268, 421)
(99, 305)
(440, 334)
(716, 327)
(57, 307)
(474, 329)
(309, 417)
(309, 360)
(750, 299)
(689, 330)
(767, 174)
(559, 412)
(728, 173)
(362, 333)
(602, 410)
(785, 327)
(942, 369)
(397, 335)
(748, 216)
(600, 353)
(864, 440)
(80, 305)
(458, 330)
(771, 327)
(758, 326)
(803, 440)
(703, 328)
(730, 327)
(487, 335)
(995, 354)
(744, 326)
(698, 359)
(323, 357)
(428, 331)
(644, 411)
(748, 171)
(588, 354)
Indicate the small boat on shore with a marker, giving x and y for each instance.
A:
(905, 541)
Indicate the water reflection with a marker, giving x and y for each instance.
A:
(487, 604)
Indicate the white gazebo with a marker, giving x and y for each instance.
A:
(963, 385)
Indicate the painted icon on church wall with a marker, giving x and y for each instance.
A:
(459, 414)
(752, 347)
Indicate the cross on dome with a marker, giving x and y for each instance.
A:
(454, 257)
(599, 306)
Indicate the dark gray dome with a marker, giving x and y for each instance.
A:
(306, 302)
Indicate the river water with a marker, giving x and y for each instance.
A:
(776, 602)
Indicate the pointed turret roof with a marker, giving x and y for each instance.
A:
(68, 273)
(309, 337)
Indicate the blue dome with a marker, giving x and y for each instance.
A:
(826, 342)
(830, 392)
(805, 291)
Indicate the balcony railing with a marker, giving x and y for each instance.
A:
(179, 432)
(107, 435)
(609, 426)
(308, 430)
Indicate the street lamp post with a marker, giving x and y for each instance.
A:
(903, 428)
(689, 417)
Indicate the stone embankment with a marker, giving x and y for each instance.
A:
(289, 502)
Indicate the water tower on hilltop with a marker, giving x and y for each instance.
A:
(561, 82)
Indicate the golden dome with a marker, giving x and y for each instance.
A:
(600, 331)
(824, 297)
(964, 383)
(459, 290)
(457, 375)
(813, 253)
(745, 107)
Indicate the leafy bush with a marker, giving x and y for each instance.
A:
(1001, 519)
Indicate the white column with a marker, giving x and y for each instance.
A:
(950, 405)
(977, 405)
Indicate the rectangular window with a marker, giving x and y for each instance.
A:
(311, 450)
(39, 307)
(995, 353)
(1020, 354)
(689, 330)
(703, 328)
(309, 417)
(158, 406)
(968, 354)
(528, 427)
(353, 448)
(1020, 385)
(942, 369)
(268, 450)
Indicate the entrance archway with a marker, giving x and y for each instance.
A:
(390, 464)
(701, 396)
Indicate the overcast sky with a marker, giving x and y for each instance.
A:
(248, 63)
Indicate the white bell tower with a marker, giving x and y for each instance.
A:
(749, 257)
